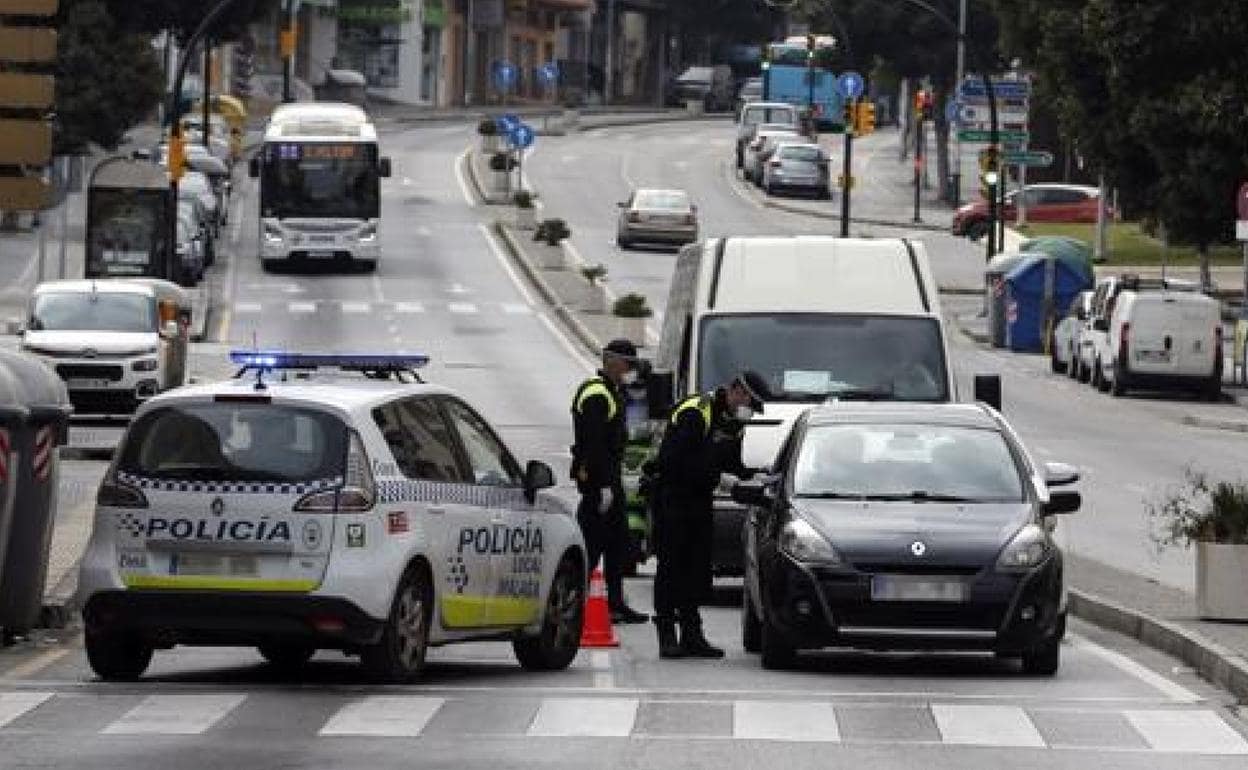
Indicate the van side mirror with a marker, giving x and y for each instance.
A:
(537, 475)
(1060, 474)
(253, 168)
(1063, 501)
(659, 389)
(988, 390)
(383, 168)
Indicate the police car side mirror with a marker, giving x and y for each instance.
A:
(988, 390)
(659, 387)
(253, 168)
(383, 168)
(537, 475)
(751, 493)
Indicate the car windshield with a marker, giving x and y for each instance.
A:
(696, 74)
(800, 152)
(808, 357)
(662, 199)
(320, 180)
(236, 441)
(907, 462)
(102, 311)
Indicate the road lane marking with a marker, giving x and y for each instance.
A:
(497, 250)
(515, 308)
(462, 308)
(780, 721)
(592, 717)
(1189, 732)
(1168, 687)
(383, 716)
(301, 307)
(409, 307)
(175, 714)
(37, 663)
(458, 288)
(247, 307)
(14, 704)
(356, 308)
(985, 725)
(459, 176)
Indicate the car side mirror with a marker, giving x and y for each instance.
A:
(1060, 474)
(253, 168)
(1101, 324)
(659, 387)
(988, 390)
(1063, 501)
(383, 168)
(537, 475)
(751, 493)
(170, 329)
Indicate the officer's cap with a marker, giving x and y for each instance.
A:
(621, 348)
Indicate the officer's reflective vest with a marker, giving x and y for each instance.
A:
(595, 386)
(700, 402)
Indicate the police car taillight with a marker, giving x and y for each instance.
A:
(115, 494)
(357, 493)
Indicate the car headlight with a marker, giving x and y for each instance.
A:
(1029, 548)
(273, 233)
(803, 542)
(145, 365)
(367, 233)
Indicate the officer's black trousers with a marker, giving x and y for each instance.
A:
(606, 537)
(683, 537)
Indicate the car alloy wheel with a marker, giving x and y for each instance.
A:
(399, 656)
(116, 656)
(778, 654)
(556, 645)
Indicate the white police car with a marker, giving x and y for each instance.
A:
(296, 508)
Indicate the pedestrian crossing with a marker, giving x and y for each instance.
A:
(305, 307)
(1170, 730)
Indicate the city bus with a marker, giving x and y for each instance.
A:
(788, 79)
(320, 186)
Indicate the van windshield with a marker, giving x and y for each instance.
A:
(97, 311)
(808, 357)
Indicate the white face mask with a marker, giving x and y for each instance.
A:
(630, 377)
(743, 413)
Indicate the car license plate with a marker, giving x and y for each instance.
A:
(79, 384)
(213, 564)
(907, 588)
(1153, 356)
(320, 255)
(321, 238)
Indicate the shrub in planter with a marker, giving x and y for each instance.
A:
(487, 127)
(502, 161)
(523, 199)
(552, 231)
(632, 305)
(595, 274)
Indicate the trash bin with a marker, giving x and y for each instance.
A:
(23, 569)
(13, 414)
(1037, 291)
(994, 291)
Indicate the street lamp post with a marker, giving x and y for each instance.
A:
(957, 83)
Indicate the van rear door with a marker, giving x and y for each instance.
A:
(1172, 334)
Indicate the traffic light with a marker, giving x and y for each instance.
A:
(924, 104)
(864, 122)
(989, 162)
(26, 98)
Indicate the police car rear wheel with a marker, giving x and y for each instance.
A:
(778, 654)
(117, 657)
(400, 654)
(286, 656)
(555, 647)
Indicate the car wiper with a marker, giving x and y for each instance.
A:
(833, 495)
(923, 496)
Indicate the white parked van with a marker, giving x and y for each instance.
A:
(819, 318)
(1160, 339)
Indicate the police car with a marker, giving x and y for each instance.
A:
(326, 502)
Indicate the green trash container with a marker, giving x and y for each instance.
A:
(23, 569)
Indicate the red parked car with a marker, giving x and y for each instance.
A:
(1045, 203)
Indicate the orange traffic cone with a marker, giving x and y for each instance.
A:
(596, 631)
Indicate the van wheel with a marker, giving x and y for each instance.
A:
(116, 657)
(366, 265)
(556, 645)
(1046, 658)
(399, 656)
(751, 628)
(1213, 389)
(1118, 388)
(778, 654)
(1072, 368)
(1057, 366)
(1098, 376)
(287, 657)
(975, 230)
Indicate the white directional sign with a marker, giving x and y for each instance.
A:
(972, 114)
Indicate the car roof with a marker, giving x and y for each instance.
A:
(903, 413)
(340, 391)
(768, 105)
(101, 285)
(783, 145)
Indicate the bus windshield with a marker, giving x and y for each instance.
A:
(321, 179)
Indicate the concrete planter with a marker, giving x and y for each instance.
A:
(593, 298)
(491, 144)
(549, 257)
(1221, 577)
(631, 329)
(571, 118)
(526, 219)
(694, 106)
(500, 183)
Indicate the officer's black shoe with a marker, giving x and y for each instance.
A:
(668, 646)
(694, 644)
(626, 615)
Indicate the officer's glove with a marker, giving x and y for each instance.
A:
(605, 499)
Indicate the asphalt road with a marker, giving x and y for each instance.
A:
(442, 288)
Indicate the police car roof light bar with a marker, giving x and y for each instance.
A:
(371, 364)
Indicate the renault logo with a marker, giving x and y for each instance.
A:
(89, 353)
(218, 506)
(918, 548)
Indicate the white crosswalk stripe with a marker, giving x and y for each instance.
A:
(301, 307)
(357, 308)
(776, 721)
(462, 308)
(516, 308)
(175, 714)
(15, 704)
(247, 307)
(986, 725)
(597, 717)
(1189, 732)
(383, 716)
(408, 307)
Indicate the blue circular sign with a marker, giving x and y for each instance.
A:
(507, 123)
(953, 111)
(505, 74)
(850, 84)
(521, 136)
(548, 72)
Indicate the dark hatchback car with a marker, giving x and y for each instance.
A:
(905, 527)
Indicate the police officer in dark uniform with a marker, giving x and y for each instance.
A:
(600, 435)
(702, 442)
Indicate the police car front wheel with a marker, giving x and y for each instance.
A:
(116, 656)
(399, 656)
(554, 648)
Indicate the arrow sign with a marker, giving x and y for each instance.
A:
(1035, 158)
(521, 136)
(850, 84)
(981, 114)
(953, 111)
(976, 135)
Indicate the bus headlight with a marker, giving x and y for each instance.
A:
(367, 233)
(273, 233)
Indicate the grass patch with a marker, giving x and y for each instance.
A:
(1128, 245)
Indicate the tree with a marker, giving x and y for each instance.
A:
(706, 27)
(183, 16)
(107, 79)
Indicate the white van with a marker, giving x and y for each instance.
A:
(819, 318)
(755, 114)
(1160, 339)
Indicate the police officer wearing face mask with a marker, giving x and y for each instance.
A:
(702, 442)
(600, 434)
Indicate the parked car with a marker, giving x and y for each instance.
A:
(190, 206)
(657, 216)
(1093, 342)
(797, 167)
(752, 165)
(757, 114)
(1239, 348)
(1045, 203)
(751, 91)
(198, 184)
(219, 175)
(762, 156)
(191, 248)
(711, 85)
(887, 526)
(1064, 343)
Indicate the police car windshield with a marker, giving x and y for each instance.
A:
(93, 311)
(236, 441)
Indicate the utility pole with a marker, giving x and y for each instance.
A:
(961, 73)
(920, 107)
(851, 119)
(470, 51)
(287, 40)
(608, 66)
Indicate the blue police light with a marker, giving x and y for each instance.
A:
(271, 360)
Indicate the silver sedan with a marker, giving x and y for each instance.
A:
(657, 216)
(798, 168)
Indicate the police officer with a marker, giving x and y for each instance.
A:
(702, 442)
(600, 434)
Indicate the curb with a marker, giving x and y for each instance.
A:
(1237, 426)
(1221, 666)
(790, 209)
(981, 338)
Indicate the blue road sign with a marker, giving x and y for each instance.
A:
(548, 72)
(521, 136)
(504, 75)
(952, 111)
(507, 123)
(850, 84)
(1002, 89)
